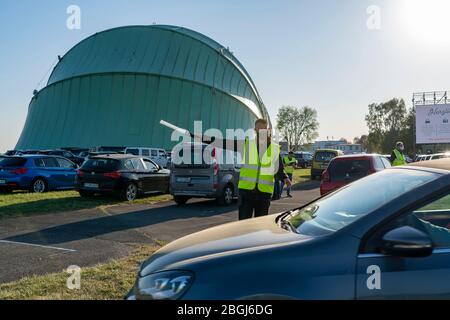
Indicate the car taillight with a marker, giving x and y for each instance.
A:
(19, 171)
(326, 177)
(80, 173)
(113, 175)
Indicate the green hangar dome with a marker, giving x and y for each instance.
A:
(114, 87)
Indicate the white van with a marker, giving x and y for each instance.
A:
(157, 155)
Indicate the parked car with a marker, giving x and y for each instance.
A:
(321, 160)
(440, 156)
(349, 241)
(36, 173)
(109, 149)
(157, 155)
(64, 153)
(346, 169)
(126, 176)
(205, 179)
(304, 159)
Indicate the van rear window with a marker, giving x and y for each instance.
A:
(342, 170)
(12, 162)
(325, 156)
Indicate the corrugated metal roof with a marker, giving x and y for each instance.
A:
(183, 54)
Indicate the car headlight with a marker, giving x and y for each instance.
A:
(167, 285)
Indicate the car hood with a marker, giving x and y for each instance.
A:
(241, 235)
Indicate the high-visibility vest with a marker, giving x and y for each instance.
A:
(256, 171)
(399, 159)
(289, 164)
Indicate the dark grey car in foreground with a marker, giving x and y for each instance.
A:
(383, 237)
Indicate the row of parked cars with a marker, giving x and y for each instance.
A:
(126, 175)
(337, 170)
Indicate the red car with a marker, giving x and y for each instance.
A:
(346, 169)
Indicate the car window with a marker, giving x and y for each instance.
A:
(386, 162)
(432, 219)
(51, 163)
(378, 163)
(162, 153)
(67, 154)
(346, 169)
(129, 165)
(12, 162)
(39, 162)
(101, 165)
(133, 152)
(149, 165)
(154, 153)
(137, 164)
(346, 206)
(63, 163)
(145, 152)
(325, 156)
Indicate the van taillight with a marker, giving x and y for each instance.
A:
(216, 169)
(113, 175)
(80, 173)
(326, 177)
(19, 171)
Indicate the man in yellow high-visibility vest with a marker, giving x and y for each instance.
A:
(261, 163)
(397, 157)
(289, 163)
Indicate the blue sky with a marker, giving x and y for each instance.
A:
(313, 52)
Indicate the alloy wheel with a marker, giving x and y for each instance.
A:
(39, 186)
(131, 192)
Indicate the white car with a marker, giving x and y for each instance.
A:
(157, 155)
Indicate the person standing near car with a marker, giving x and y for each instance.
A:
(289, 162)
(261, 164)
(398, 157)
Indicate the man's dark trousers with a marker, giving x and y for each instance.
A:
(253, 202)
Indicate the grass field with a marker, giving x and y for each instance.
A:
(109, 281)
(21, 204)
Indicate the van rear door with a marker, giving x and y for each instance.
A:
(192, 175)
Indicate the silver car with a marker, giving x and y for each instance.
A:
(201, 171)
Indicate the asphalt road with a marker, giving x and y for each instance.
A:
(53, 242)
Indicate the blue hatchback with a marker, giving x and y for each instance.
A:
(36, 173)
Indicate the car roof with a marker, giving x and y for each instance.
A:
(116, 156)
(360, 155)
(327, 150)
(439, 164)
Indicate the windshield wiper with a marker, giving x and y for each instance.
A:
(287, 225)
(282, 216)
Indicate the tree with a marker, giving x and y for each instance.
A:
(363, 140)
(390, 122)
(297, 125)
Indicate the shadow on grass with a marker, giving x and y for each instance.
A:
(54, 205)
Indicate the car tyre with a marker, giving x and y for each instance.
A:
(180, 200)
(130, 192)
(39, 185)
(86, 194)
(226, 199)
(5, 190)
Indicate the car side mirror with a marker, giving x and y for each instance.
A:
(407, 242)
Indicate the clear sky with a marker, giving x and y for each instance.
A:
(319, 53)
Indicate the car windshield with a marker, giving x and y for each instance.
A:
(338, 210)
